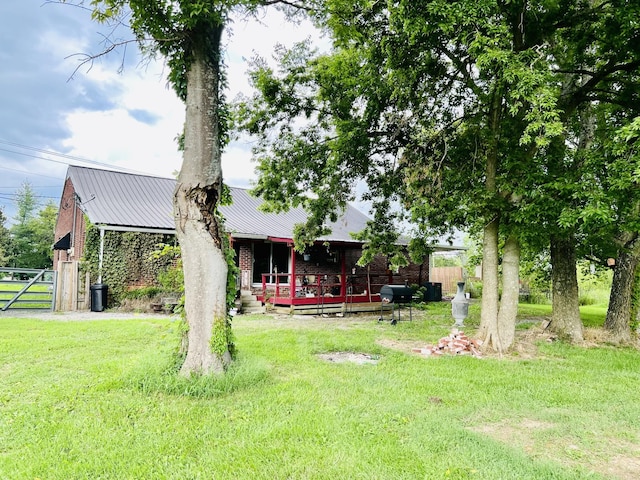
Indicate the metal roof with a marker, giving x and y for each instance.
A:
(126, 200)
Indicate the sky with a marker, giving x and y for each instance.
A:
(55, 112)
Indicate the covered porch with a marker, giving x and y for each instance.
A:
(327, 280)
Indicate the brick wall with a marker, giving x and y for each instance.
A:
(379, 273)
(65, 224)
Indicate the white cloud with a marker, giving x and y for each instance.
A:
(237, 167)
(114, 136)
(253, 37)
(248, 39)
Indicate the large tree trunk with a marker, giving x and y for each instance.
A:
(198, 228)
(510, 292)
(624, 280)
(565, 318)
(488, 330)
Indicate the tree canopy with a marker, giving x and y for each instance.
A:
(28, 242)
(472, 114)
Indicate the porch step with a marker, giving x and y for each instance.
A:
(315, 310)
(250, 303)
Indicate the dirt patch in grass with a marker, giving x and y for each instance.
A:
(352, 357)
(520, 432)
(617, 459)
(525, 345)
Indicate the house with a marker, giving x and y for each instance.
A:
(326, 274)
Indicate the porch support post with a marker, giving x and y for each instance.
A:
(292, 281)
(101, 255)
(343, 276)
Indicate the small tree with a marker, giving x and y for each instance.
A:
(5, 239)
(26, 203)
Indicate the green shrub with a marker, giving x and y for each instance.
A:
(141, 293)
(171, 277)
(474, 288)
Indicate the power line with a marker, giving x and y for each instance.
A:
(41, 202)
(28, 173)
(35, 186)
(33, 156)
(14, 195)
(61, 155)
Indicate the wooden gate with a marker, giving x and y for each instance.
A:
(72, 292)
(27, 289)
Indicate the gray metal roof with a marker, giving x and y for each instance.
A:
(123, 199)
(244, 219)
(119, 199)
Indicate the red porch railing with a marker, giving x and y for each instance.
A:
(320, 288)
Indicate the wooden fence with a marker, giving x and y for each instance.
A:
(448, 277)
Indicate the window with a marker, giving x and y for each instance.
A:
(270, 258)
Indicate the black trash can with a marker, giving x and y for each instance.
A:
(98, 297)
(433, 292)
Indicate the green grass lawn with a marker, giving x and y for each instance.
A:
(592, 316)
(97, 400)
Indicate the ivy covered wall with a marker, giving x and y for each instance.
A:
(127, 259)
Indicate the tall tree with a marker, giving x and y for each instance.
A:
(188, 34)
(32, 239)
(626, 153)
(597, 72)
(466, 113)
(613, 207)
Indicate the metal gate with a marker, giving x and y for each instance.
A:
(27, 289)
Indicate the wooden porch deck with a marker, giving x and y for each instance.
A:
(342, 309)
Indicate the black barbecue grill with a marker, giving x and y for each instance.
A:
(392, 295)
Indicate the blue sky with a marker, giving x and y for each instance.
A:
(52, 114)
